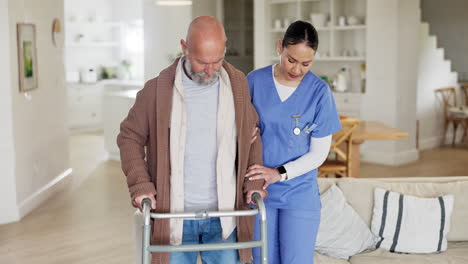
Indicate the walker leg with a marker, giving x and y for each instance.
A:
(146, 242)
(264, 254)
(263, 228)
(146, 254)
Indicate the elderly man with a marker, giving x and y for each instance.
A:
(196, 121)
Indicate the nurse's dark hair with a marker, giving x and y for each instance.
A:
(301, 32)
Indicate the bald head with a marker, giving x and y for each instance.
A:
(205, 28)
(205, 45)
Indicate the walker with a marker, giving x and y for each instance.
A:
(147, 248)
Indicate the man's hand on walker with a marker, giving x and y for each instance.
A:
(248, 197)
(137, 201)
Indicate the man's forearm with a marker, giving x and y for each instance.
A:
(255, 157)
(132, 140)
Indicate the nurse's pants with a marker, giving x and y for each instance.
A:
(291, 236)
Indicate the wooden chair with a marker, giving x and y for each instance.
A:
(454, 114)
(464, 88)
(342, 148)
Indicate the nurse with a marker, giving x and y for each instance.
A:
(297, 119)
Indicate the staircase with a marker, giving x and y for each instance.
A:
(434, 72)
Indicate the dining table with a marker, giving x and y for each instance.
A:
(370, 130)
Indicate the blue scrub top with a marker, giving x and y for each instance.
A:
(314, 102)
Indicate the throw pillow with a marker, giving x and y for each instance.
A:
(409, 224)
(342, 233)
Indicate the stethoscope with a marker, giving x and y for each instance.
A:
(307, 129)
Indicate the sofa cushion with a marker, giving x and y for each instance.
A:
(326, 183)
(457, 253)
(342, 233)
(360, 192)
(411, 224)
(323, 259)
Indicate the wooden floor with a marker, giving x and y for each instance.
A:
(432, 163)
(92, 222)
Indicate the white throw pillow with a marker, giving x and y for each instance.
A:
(409, 224)
(342, 233)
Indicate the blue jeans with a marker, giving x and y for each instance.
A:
(205, 231)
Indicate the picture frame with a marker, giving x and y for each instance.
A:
(27, 57)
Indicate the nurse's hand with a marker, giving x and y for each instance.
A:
(254, 135)
(258, 172)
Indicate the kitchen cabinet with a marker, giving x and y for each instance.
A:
(85, 106)
(116, 105)
(348, 104)
(120, 85)
(85, 102)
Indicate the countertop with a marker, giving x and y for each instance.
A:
(113, 82)
(131, 94)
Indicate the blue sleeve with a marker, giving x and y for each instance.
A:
(326, 117)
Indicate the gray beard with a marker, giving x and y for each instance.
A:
(198, 77)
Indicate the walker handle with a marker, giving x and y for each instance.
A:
(255, 197)
(146, 201)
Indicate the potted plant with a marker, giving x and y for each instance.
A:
(125, 74)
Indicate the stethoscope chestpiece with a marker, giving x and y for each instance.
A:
(296, 130)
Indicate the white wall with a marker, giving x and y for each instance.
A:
(392, 68)
(40, 136)
(408, 46)
(9, 210)
(448, 21)
(165, 26)
(434, 72)
(127, 10)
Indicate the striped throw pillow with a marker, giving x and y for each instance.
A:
(409, 224)
(342, 233)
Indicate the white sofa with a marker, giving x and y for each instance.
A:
(359, 194)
